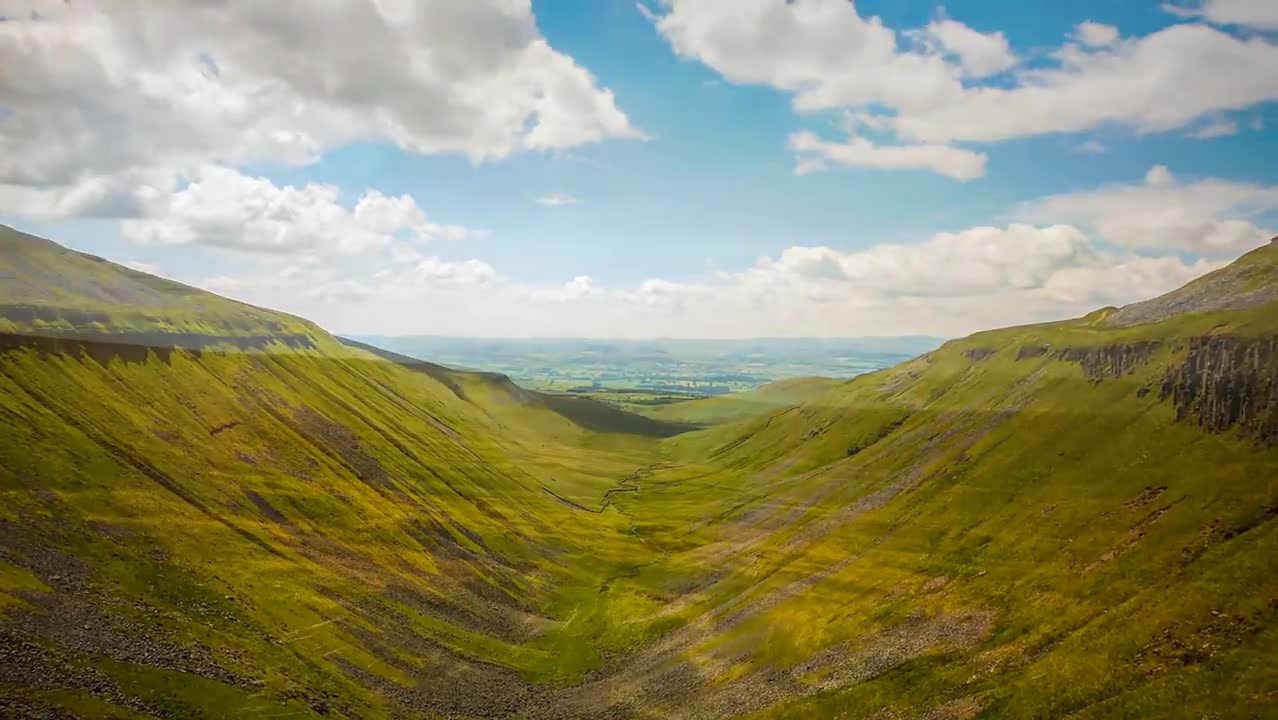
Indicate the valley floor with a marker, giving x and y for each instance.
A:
(296, 544)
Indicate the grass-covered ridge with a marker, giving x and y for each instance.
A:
(1064, 520)
(49, 290)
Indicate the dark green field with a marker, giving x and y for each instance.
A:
(215, 511)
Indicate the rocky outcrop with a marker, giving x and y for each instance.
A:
(1109, 360)
(1027, 352)
(978, 354)
(1250, 282)
(1227, 381)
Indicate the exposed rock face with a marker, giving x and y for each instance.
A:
(978, 354)
(1032, 351)
(1110, 360)
(1250, 282)
(1227, 381)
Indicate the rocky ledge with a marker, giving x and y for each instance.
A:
(1107, 360)
(1227, 381)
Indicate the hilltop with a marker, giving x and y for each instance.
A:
(1250, 282)
(1073, 519)
(51, 291)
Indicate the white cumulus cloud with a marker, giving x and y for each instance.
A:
(1094, 34)
(108, 91)
(224, 208)
(1254, 13)
(1217, 217)
(816, 154)
(933, 91)
(949, 284)
(979, 54)
(1159, 82)
(822, 51)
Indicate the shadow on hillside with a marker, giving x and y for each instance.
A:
(587, 413)
(602, 417)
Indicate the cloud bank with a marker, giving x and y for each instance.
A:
(114, 97)
(931, 88)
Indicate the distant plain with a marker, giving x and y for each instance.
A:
(696, 367)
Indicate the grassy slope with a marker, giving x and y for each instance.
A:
(47, 289)
(284, 492)
(1065, 545)
(996, 529)
(315, 521)
(721, 409)
(585, 412)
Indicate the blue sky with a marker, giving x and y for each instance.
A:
(678, 132)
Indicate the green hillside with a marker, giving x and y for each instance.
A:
(49, 290)
(720, 409)
(1071, 520)
(586, 412)
(1076, 517)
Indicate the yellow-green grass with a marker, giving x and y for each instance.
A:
(1025, 523)
(721, 409)
(280, 487)
(46, 289)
